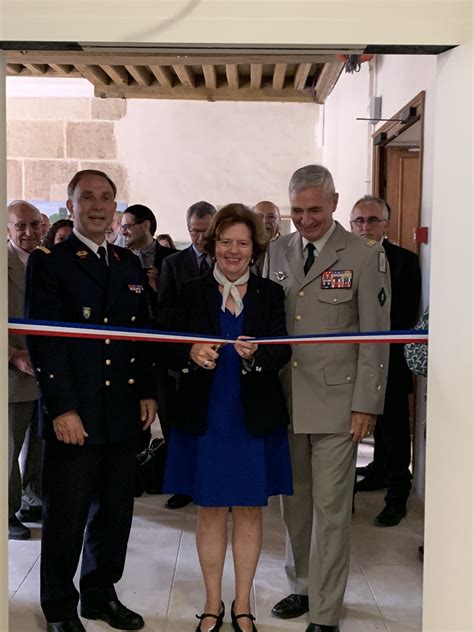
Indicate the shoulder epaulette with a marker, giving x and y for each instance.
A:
(46, 251)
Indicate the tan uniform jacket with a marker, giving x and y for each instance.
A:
(21, 387)
(325, 382)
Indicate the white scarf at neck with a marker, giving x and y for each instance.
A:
(230, 287)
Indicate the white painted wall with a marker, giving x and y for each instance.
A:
(179, 152)
(347, 153)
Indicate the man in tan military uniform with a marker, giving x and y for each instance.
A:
(334, 282)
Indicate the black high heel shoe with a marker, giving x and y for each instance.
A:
(218, 617)
(235, 623)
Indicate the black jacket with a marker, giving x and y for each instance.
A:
(405, 276)
(103, 380)
(264, 315)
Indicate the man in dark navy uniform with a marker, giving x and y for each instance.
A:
(98, 397)
(392, 440)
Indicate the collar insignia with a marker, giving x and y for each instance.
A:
(82, 254)
(86, 312)
(280, 276)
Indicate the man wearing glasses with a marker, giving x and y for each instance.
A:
(24, 232)
(177, 269)
(392, 444)
(138, 228)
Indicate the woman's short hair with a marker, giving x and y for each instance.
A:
(233, 214)
(48, 239)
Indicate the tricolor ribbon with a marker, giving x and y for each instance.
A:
(100, 332)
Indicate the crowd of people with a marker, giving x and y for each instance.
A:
(242, 420)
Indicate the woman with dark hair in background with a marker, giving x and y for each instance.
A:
(59, 231)
(164, 239)
(229, 446)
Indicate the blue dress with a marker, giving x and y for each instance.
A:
(227, 466)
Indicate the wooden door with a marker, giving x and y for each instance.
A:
(403, 194)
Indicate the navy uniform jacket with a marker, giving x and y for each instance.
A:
(103, 380)
(198, 312)
(405, 276)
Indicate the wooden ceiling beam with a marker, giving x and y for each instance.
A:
(73, 58)
(255, 76)
(94, 74)
(37, 70)
(232, 74)
(118, 74)
(62, 69)
(185, 75)
(141, 74)
(210, 76)
(14, 69)
(326, 81)
(279, 74)
(163, 75)
(301, 76)
(179, 92)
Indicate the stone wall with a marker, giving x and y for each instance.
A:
(49, 139)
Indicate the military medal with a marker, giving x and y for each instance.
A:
(82, 253)
(138, 289)
(86, 312)
(336, 279)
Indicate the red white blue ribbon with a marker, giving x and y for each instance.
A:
(100, 332)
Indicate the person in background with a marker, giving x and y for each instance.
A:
(45, 224)
(334, 283)
(178, 268)
(58, 232)
(24, 489)
(164, 239)
(269, 213)
(229, 444)
(112, 234)
(98, 397)
(138, 225)
(390, 467)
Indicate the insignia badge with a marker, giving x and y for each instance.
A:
(336, 279)
(46, 251)
(138, 289)
(382, 296)
(382, 262)
(115, 254)
(280, 276)
(82, 253)
(371, 242)
(86, 312)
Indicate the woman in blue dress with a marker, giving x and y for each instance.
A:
(228, 445)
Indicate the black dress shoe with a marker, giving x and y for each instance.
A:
(365, 470)
(17, 530)
(34, 513)
(390, 516)
(68, 625)
(115, 614)
(218, 617)
(291, 607)
(316, 627)
(178, 501)
(370, 484)
(235, 619)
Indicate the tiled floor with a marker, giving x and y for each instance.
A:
(162, 579)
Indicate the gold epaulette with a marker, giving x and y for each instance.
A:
(46, 251)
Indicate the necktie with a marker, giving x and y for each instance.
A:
(310, 248)
(103, 256)
(203, 265)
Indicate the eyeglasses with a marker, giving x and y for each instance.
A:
(195, 232)
(371, 221)
(21, 226)
(124, 227)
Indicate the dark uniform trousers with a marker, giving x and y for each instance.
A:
(84, 485)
